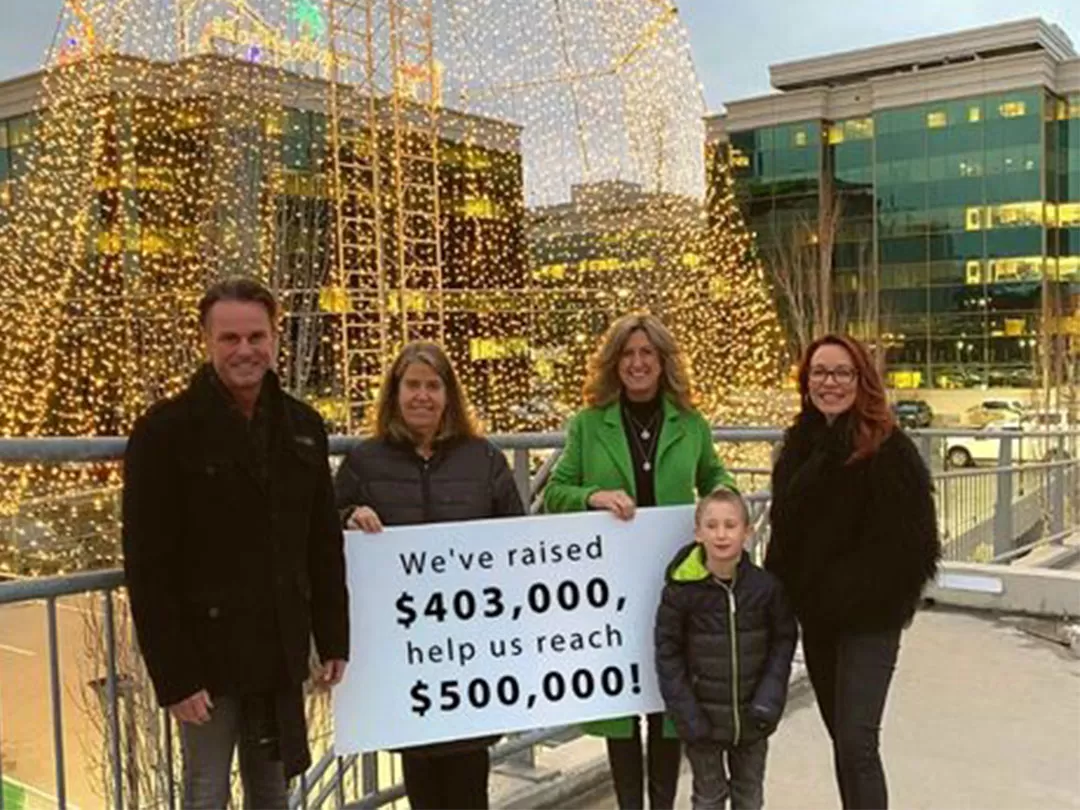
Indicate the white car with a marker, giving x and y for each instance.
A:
(967, 451)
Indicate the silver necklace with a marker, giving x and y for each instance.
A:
(646, 435)
(646, 429)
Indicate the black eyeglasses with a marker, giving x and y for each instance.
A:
(843, 375)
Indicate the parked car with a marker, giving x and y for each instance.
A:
(1032, 446)
(994, 410)
(913, 413)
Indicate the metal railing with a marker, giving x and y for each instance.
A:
(1025, 496)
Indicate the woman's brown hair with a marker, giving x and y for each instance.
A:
(457, 421)
(602, 383)
(872, 420)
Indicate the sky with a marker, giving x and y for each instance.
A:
(734, 41)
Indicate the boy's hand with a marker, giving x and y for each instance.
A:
(764, 718)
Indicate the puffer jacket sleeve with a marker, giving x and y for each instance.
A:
(886, 574)
(670, 640)
(770, 696)
(349, 484)
(506, 502)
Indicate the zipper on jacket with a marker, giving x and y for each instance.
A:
(734, 660)
(425, 488)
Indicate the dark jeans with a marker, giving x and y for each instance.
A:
(743, 781)
(850, 673)
(208, 753)
(457, 781)
(663, 755)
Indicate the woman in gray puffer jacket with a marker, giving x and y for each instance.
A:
(427, 463)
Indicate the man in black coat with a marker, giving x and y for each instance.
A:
(234, 557)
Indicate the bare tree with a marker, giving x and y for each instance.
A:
(817, 299)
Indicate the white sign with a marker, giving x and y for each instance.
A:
(466, 629)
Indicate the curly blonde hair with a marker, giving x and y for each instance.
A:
(457, 421)
(602, 383)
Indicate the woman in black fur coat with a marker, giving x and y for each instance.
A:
(854, 540)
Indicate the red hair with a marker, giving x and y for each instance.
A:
(871, 416)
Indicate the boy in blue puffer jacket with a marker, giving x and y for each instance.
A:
(725, 637)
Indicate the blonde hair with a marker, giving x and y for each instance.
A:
(721, 495)
(602, 383)
(457, 421)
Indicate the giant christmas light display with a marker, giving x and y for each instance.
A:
(503, 175)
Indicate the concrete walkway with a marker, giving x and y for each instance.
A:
(981, 715)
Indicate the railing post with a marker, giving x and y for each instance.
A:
(1003, 507)
(56, 697)
(521, 474)
(926, 448)
(1056, 494)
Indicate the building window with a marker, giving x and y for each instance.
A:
(973, 272)
(480, 207)
(973, 219)
(1012, 109)
(1068, 215)
(974, 114)
(496, 348)
(937, 119)
(1015, 215)
(800, 137)
(20, 131)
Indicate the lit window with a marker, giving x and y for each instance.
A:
(1015, 215)
(739, 159)
(937, 119)
(496, 348)
(1013, 109)
(859, 129)
(1069, 268)
(974, 115)
(334, 299)
(1069, 215)
(552, 271)
(1018, 269)
(1014, 327)
(973, 219)
(481, 208)
(600, 265)
(973, 272)
(800, 137)
(836, 133)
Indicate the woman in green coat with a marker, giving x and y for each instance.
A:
(639, 442)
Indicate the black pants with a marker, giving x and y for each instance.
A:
(663, 755)
(850, 673)
(457, 781)
(208, 755)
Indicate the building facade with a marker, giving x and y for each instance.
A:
(938, 181)
(212, 166)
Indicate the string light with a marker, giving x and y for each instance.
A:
(181, 140)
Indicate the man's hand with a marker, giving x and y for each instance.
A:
(330, 674)
(365, 519)
(615, 501)
(194, 710)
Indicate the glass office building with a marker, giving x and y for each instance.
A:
(960, 211)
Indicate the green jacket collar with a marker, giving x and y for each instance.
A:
(689, 565)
